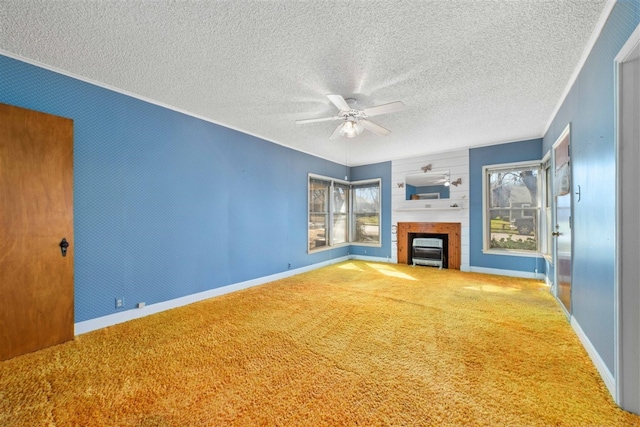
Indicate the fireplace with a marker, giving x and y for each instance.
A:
(427, 251)
(417, 241)
(449, 232)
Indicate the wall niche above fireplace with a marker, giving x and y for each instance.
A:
(410, 229)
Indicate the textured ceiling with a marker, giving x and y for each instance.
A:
(470, 72)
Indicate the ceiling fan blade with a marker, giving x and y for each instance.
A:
(339, 102)
(321, 119)
(336, 133)
(377, 129)
(384, 108)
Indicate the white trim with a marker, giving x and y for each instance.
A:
(602, 368)
(621, 57)
(567, 130)
(124, 316)
(511, 273)
(604, 16)
(629, 45)
(513, 252)
(485, 211)
(372, 258)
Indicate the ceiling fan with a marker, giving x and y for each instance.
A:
(355, 121)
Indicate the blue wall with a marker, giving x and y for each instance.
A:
(167, 205)
(492, 155)
(590, 107)
(443, 190)
(378, 170)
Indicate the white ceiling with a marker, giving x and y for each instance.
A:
(470, 72)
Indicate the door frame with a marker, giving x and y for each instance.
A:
(626, 295)
(554, 219)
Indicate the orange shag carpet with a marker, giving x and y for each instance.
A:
(353, 344)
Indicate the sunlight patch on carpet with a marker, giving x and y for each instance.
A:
(493, 289)
(390, 271)
(349, 266)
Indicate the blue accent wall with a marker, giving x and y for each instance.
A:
(492, 155)
(167, 205)
(377, 170)
(590, 108)
(443, 190)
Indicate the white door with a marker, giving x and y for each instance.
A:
(562, 227)
(628, 227)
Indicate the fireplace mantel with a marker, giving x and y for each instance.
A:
(452, 229)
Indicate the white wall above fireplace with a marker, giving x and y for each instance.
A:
(402, 210)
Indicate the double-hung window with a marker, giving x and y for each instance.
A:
(340, 220)
(512, 200)
(366, 212)
(342, 212)
(319, 206)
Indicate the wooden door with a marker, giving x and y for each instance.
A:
(36, 213)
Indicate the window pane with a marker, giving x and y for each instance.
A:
(318, 212)
(340, 198)
(366, 207)
(513, 208)
(340, 230)
(367, 228)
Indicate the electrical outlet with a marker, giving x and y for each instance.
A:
(289, 266)
(120, 302)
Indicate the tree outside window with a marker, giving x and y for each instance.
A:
(341, 212)
(366, 212)
(512, 207)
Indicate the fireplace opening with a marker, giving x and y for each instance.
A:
(428, 253)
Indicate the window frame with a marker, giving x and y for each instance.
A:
(353, 213)
(546, 225)
(486, 227)
(350, 223)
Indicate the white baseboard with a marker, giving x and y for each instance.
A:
(370, 258)
(605, 373)
(512, 273)
(136, 313)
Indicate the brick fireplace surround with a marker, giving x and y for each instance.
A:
(451, 229)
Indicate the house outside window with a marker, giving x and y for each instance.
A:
(512, 203)
(341, 212)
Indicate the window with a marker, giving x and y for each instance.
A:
(340, 230)
(341, 212)
(319, 191)
(366, 213)
(512, 207)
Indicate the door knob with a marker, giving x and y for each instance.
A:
(63, 246)
(555, 233)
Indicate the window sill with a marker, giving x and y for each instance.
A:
(343, 245)
(447, 208)
(506, 252)
(369, 245)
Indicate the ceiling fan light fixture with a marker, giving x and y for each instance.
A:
(355, 121)
(351, 129)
